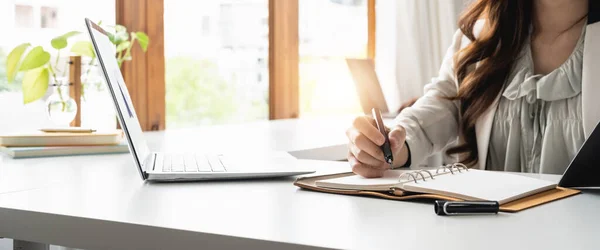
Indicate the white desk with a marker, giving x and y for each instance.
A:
(100, 202)
(297, 136)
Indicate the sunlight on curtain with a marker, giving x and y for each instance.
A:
(330, 31)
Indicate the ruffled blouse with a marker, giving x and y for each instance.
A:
(538, 127)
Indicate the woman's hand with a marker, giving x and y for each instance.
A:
(364, 147)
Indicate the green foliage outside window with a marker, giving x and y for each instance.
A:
(195, 92)
(197, 95)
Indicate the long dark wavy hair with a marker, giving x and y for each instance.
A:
(494, 50)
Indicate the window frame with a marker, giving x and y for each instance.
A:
(283, 59)
(146, 77)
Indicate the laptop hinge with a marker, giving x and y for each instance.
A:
(148, 164)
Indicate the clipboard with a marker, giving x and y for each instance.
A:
(309, 183)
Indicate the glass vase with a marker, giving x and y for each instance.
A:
(60, 107)
(97, 108)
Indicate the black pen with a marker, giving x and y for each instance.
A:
(386, 148)
(442, 207)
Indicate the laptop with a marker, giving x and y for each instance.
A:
(368, 87)
(160, 166)
(584, 170)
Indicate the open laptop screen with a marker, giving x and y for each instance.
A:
(105, 52)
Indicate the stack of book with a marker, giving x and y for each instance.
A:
(61, 143)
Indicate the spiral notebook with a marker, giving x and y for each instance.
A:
(454, 181)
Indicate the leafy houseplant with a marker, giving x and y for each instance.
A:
(123, 41)
(39, 70)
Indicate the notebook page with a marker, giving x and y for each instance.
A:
(483, 185)
(356, 182)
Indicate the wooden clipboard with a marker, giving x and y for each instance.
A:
(309, 183)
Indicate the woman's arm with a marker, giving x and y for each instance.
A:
(432, 122)
(426, 127)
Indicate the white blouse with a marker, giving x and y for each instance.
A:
(538, 125)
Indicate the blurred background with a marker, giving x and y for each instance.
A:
(216, 55)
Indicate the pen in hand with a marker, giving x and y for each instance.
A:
(385, 147)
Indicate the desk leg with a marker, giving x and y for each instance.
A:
(26, 245)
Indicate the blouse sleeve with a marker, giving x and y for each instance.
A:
(433, 121)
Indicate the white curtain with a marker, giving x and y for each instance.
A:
(411, 40)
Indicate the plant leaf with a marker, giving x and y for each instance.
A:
(123, 46)
(35, 59)
(119, 37)
(35, 84)
(120, 28)
(142, 39)
(60, 42)
(13, 59)
(111, 37)
(83, 48)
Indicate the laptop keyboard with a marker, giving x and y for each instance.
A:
(191, 163)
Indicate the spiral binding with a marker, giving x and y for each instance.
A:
(458, 167)
(451, 167)
(415, 175)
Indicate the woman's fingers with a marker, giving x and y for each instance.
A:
(366, 126)
(365, 154)
(362, 147)
(365, 157)
(364, 170)
(397, 137)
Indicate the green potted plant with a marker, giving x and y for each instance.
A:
(40, 72)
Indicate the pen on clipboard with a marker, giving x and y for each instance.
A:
(386, 147)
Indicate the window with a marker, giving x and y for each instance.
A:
(217, 69)
(216, 74)
(23, 16)
(206, 25)
(329, 32)
(37, 24)
(49, 17)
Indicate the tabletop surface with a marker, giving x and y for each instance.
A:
(101, 202)
(293, 135)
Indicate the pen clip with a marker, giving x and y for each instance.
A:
(445, 208)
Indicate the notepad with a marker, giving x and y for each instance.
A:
(43, 139)
(466, 184)
(28, 152)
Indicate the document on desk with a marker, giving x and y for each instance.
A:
(471, 184)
